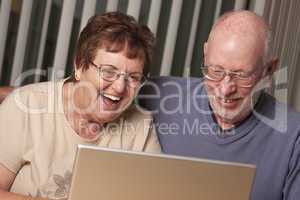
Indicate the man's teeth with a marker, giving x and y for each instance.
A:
(227, 100)
(111, 97)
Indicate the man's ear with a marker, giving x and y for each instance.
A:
(273, 66)
(205, 48)
(204, 51)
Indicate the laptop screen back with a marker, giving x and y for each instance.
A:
(101, 173)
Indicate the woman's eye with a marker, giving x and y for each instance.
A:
(109, 72)
(217, 71)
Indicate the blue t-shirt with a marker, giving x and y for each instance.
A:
(268, 138)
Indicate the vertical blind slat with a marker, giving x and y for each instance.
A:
(21, 41)
(88, 11)
(171, 37)
(4, 19)
(154, 15)
(278, 35)
(286, 51)
(112, 5)
(134, 7)
(192, 39)
(290, 38)
(240, 4)
(295, 96)
(259, 7)
(64, 34)
(43, 39)
(218, 9)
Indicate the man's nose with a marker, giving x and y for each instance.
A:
(119, 85)
(228, 86)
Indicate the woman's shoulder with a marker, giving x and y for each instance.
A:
(37, 95)
(41, 88)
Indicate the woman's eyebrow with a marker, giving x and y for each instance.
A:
(113, 66)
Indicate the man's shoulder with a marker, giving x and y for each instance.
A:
(279, 116)
(164, 85)
(168, 90)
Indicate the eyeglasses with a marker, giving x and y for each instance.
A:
(110, 73)
(242, 79)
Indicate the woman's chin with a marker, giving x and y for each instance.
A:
(108, 112)
(107, 116)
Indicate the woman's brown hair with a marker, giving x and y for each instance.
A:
(114, 32)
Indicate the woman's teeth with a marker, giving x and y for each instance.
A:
(111, 97)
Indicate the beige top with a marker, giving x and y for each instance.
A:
(39, 145)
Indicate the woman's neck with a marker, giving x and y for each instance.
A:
(78, 120)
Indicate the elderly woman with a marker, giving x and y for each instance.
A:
(42, 124)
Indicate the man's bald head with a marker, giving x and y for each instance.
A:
(246, 26)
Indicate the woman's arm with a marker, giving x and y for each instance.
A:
(6, 181)
(4, 91)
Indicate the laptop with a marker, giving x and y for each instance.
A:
(110, 174)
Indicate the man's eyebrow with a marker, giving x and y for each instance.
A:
(250, 71)
(217, 66)
(237, 71)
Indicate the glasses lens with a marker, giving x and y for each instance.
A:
(245, 82)
(213, 73)
(135, 79)
(217, 74)
(108, 73)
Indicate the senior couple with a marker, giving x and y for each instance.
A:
(41, 124)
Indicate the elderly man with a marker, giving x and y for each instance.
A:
(227, 115)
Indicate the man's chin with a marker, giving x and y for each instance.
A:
(228, 116)
(233, 117)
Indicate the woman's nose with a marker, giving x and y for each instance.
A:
(119, 85)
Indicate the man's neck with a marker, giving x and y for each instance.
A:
(224, 125)
(227, 124)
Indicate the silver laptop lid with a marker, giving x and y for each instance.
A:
(110, 174)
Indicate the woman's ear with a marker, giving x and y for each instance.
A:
(78, 72)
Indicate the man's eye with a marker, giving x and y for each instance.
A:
(243, 75)
(135, 78)
(218, 71)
